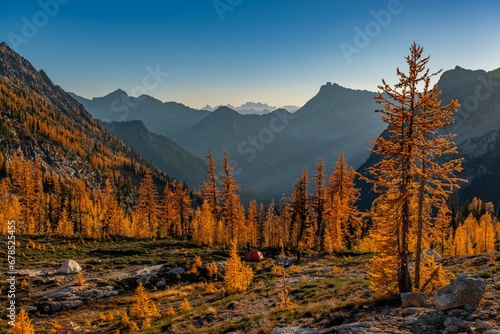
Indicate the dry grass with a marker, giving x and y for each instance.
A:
(212, 310)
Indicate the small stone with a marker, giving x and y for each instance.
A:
(451, 329)
(30, 309)
(414, 299)
(492, 331)
(448, 321)
(454, 313)
(411, 311)
(470, 308)
(411, 320)
(55, 307)
(459, 323)
(487, 305)
(462, 324)
(484, 267)
(367, 293)
(72, 304)
(481, 325)
(480, 260)
(161, 283)
(176, 271)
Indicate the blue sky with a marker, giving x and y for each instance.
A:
(233, 51)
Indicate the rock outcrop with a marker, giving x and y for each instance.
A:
(463, 291)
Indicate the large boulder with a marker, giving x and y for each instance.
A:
(464, 290)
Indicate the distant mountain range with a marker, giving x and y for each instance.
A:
(253, 108)
(166, 118)
(268, 151)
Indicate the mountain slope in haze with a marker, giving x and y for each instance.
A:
(161, 151)
(268, 151)
(169, 119)
(39, 120)
(478, 93)
(477, 129)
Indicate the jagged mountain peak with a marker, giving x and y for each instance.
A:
(333, 97)
(225, 110)
(117, 93)
(330, 88)
(280, 111)
(459, 73)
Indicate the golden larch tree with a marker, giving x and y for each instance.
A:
(383, 268)
(167, 214)
(203, 226)
(343, 218)
(301, 225)
(238, 276)
(485, 241)
(143, 306)
(319, 203)
(111, 218)
(182, 207)
(442, 232)
(231, 205)
(462, 243)
(269, 226)
(251, 223)
(147, 208)
(409, 151)
(210, 190)
(23, 324)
